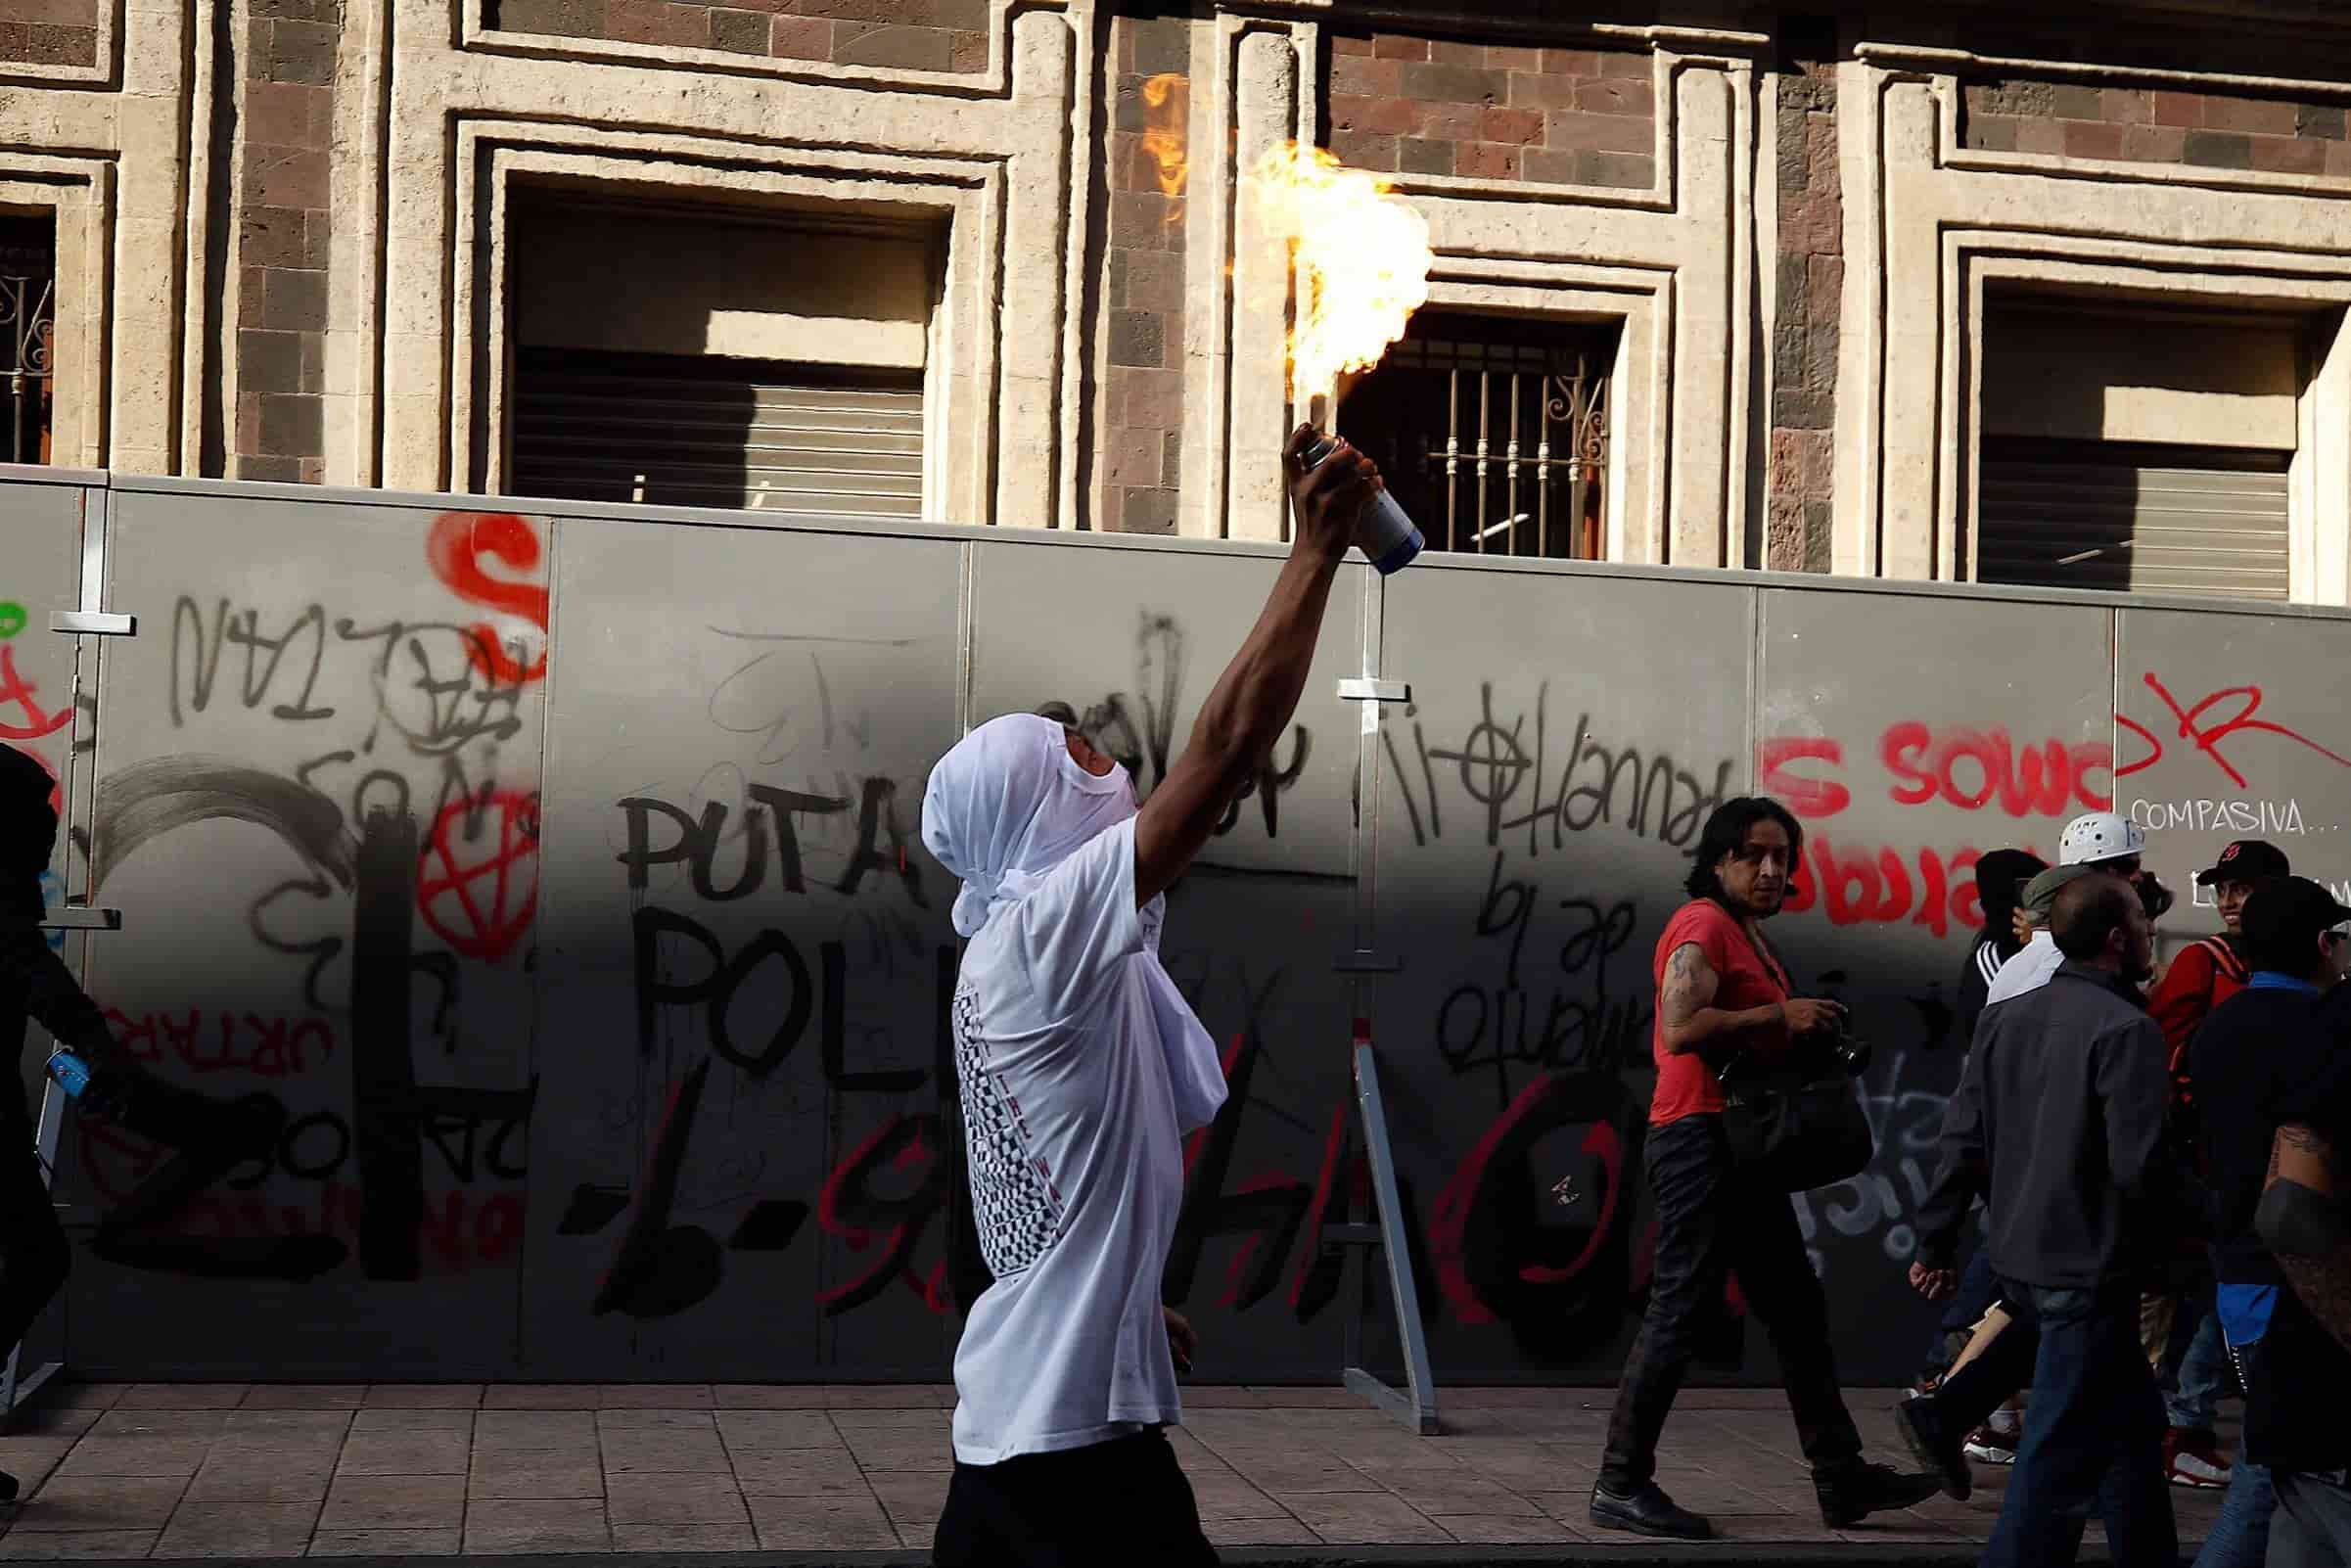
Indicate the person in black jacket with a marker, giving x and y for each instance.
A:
(2262, 1055)
(35, 984)
(2000, 879)
(2058, 1125)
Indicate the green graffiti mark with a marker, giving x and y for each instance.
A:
(12, 619)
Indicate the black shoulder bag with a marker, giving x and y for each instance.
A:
(1793, 1119)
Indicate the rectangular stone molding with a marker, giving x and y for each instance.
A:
(1931, 224)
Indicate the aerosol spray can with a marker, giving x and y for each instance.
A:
(72, 1073)
(1388, 538)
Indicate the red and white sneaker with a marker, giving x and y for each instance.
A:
(1988, 1445)
(2193, 1458)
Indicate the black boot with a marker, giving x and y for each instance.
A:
(1933, 1446)
(8, 1486)
(1647, 1510)
(1852, 1493)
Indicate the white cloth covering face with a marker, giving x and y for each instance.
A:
(1081, 1068)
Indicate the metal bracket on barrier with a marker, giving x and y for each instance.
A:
(1368, 689)
(1366, 963)
(93, 624)
(81, 917)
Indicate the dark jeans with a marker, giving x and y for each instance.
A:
(35, 1254)
(2312, 1528)
(2092, 1437)
(1125, 1501)
(1711, 1224)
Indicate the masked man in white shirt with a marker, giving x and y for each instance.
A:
(1081, 1068)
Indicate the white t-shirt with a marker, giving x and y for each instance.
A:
(1076, 1167)
(2029, 969)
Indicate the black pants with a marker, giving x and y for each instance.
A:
(1966, 1398)
(1709, 1225)
(1125, 1501)
(2312, 1528)
(34, 1255)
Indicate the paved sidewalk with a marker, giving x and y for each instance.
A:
(283, 1470)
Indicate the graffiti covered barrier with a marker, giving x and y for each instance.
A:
(557, 874)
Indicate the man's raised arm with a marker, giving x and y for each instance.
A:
(1252, 703)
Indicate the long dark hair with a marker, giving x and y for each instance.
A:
(1727, 829)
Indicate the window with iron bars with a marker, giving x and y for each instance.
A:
(1492, 432)
(27, 324)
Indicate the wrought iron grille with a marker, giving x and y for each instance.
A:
(28, 328)
(1493, 432)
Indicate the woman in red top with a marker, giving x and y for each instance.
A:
(1720, 991)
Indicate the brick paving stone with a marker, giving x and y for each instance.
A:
(423, 1396)
(238, 1530)
(689, 1450)
(921, 1418)
(535, 1429)
(58, 1420)
(1362, 1518)
(31, 1458)
(177, 1457)
(653, 1397)
(799, 1473)
(539, 1397)
(1435, 1492)
(253, 1428)
(431, 1453)
(23, 1544)
(394, 1502)
(262, 1476)
(769, 1430)
(913, 1501)
(534, 1473)
(437, 1543)
(102, 1502)
(932, 1455)
(1504, 1529)
(537, 1524)
(304, 1396)
(888, 1397)
(768, 1397)
(412, 1418)
(84, 1396)
(683, 1537)
(153, 1422)
(1283, 1532)
(822, 1524)
(1236, 1499)
(182, 1397)
(674, 1499)
(645, 1419)
(1296, 1472)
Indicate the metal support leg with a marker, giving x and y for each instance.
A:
(1415, 1405)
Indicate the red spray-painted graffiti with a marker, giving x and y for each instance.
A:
(455, 549)
(2206, 735)
(481, 899)
(226, 1040)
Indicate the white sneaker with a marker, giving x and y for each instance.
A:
(1987, 1446)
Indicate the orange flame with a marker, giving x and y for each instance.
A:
(1164, 126)
(1362, 258)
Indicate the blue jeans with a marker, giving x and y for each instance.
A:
(2195, 1389)
(2092, 1437)
(2241, 1533)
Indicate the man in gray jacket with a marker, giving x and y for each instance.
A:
(2058, 1124)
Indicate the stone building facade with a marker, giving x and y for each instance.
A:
(1916, 291)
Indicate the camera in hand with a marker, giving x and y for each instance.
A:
(1832, 1049)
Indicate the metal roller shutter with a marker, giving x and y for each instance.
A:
(715, 432)
(2147, 520)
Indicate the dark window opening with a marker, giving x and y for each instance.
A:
(1492, 432)
(28, 331)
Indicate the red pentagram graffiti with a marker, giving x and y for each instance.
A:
(38, 720)
(478, 890)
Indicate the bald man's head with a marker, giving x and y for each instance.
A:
(2099, 920)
